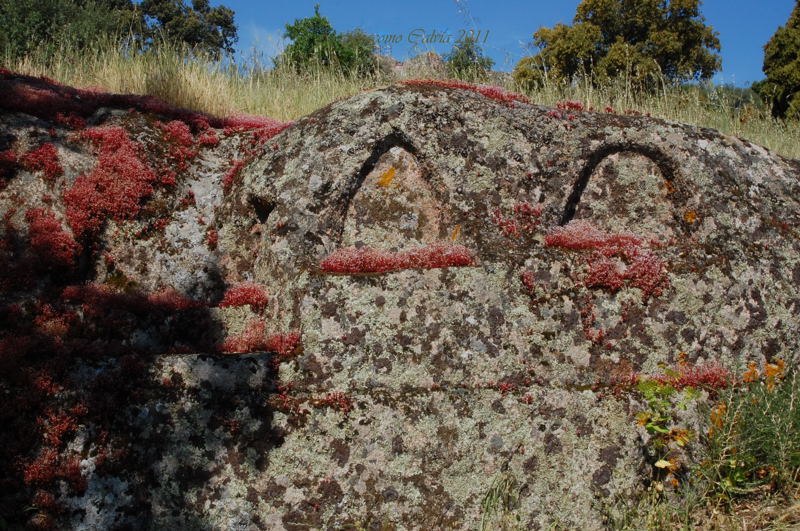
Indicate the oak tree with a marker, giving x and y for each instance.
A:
(315, 43)
(781, 88)
(205, 28)
(28, 24)
(644, 40)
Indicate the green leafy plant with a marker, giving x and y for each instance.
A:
(316, 44)
(657, 418)
(466, 61)
(753, 444)
(660, 420)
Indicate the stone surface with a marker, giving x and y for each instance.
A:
(200, 429)
(414, 390)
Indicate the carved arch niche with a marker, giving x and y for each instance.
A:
(629, 188)
(394, 207)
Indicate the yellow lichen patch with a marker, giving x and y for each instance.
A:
(386, 178)
(456, 232)
(690, 216)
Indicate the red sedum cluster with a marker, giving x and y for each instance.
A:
(351, 260)
(50, 243)
(490, 91)
(616, 259)
(116, 185)
(44, 159)
(243, 294)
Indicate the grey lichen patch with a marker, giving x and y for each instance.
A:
(392, 447)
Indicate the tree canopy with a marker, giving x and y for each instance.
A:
(466, 60)
(640, 39)
(781, 88)
(316, 43)
(28, 23)
(201, 26)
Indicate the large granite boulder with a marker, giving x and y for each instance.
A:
(445, 280)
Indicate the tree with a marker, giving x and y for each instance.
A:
(466, 60)
(205, 28)
(358, 52)
(316, 43)
(781, 88)
(29, 23)
(642, 39)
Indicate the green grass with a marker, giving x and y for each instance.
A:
(754, 445)
(499, 504)
(194, 81)
(201, 83)
(748, 474)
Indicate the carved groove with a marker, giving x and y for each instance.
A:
(394, 139)
(664, 163)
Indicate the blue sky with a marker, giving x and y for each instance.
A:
(744, 26)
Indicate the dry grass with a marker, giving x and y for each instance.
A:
(705, 108)
(220, 88)
(197, 82)
(756, 513)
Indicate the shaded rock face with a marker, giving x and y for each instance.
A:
(418, 385)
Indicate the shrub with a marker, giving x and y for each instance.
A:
(640, 41)
(466, 60)
(47, 24)
(754, 440)
(781, 89)
(316, 44)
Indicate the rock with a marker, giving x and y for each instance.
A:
(199, 431)
(430, 65)
(422, 66)
(455, 279)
